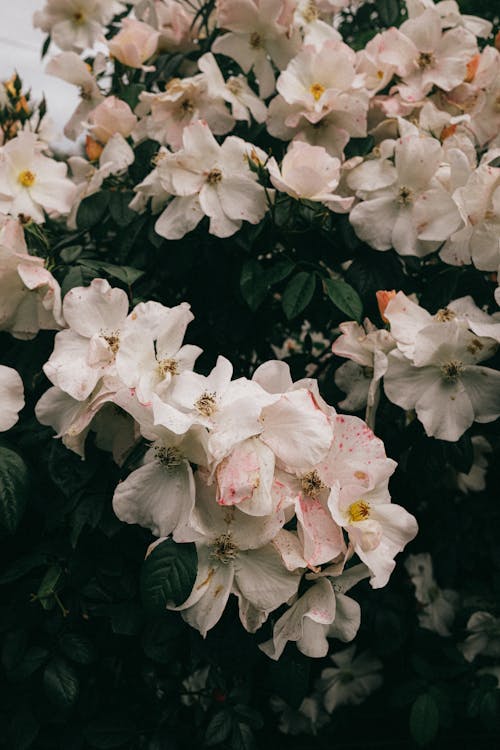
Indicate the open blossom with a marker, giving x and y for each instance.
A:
(366, 347)
(114, 159)
(160, 494)
(212, 180)
(150, 357)
(433, 58)
(324, 611)
(258, 33)
(449, 12)
(483, 636)
(235, 555)
(445, 384)
(351, 680)
(31, 183)
(184, 101)
(174, 20)
(30, 297)
(11, 397)
(437, 607)
(404, 205)
(76, 24)
(73, 418)
(111, 116)
(309, 172)
(135, 43)
(71, 68)
(479, 204)
(474, 480)
(318, 102)
(235, 91)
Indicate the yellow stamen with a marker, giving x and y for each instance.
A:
(26, 178)
(358, 511)
(317, 90)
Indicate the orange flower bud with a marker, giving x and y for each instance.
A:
(383, 299)
(92, 149)
(472, 67)
(447, 131)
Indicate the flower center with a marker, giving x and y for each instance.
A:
(317, 90)
(405, 196)
(475, 346)
(452, 370)
(167, 366)
(234, 85)
(206, 404)
(444, 315)
(214, 176)
(425, 60)
(170, 456)
(27, 178)
(358, 511)
(311, 483)
(113, 340)
(187, 106)
(310, 12)
(78, 17)
(224, 549)
(255, 40)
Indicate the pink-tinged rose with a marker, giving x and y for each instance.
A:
(134, 44)
(112, 116)
(175, 25)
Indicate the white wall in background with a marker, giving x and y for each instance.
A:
(20, 49)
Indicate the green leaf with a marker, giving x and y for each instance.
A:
(344, 297)
(108, 732)
(77, 276)
(92, 209)
(118, 207)
(49, 585)
(130, 94)
(22, 566)
(219, 728)
(279, 271)
(33, 659)
(253, 283)
(23, 730)
(242, 737)
(60, 683)
(298, 293)
(77, 648)
(126, 618)
(424, 719)
(388, 11)
(71, 253)
(127, 274)
(14, 489)
(168, 574)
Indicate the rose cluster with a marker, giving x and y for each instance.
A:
(274, 487)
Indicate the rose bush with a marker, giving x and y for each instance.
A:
(250, 378)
